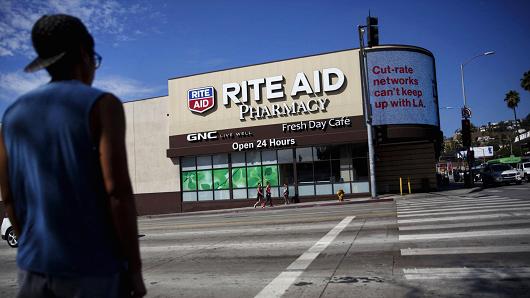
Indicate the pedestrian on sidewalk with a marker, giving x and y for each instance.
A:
(268, 195)
(64, 177)
(285, 194)
(259, 197)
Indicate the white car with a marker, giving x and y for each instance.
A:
(8, 233)
(524, 170)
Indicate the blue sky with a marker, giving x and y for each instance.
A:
(144, 43)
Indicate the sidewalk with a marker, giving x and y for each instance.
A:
(453, 189)
(363, 200)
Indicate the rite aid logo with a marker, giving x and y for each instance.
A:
(201, 99)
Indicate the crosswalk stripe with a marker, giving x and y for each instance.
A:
(451, 204)
(484, 210)
(464, 250)
(481, 233)
(466, 207)
(446, 199)
(466, 273)
(463, 225)
(280, 284)
(464, 217)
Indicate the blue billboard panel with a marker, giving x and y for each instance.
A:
(402, 87)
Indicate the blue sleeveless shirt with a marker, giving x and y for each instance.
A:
(56, 183)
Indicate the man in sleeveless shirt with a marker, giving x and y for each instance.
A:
(64, 176)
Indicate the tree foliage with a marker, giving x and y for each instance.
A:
(525, 81)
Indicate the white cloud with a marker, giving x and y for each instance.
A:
(14, 84)
(125, 88)
(100, 16)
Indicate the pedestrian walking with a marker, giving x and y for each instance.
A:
(285, 194)
(64, 177)
(259, 197)
(268, 195)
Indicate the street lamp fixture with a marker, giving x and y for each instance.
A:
(462, 72)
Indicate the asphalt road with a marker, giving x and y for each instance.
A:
(441, 244)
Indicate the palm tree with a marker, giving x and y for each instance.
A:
(525, 81)
(512, 100)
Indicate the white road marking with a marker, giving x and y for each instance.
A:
(463, 225)
(464, 217)
(467, 273)
(458, 204)
(446, 199)
(484, 210)
(467, 207)
(282, 282)
(482, 233)
(464, 250)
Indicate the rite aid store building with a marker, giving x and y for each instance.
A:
(216, 135)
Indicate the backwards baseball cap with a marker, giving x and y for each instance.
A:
(55, 35)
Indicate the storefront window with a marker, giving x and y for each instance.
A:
(221, 179)
(220, 161)
(304, 155)
(205, 195)
(188, 163)
(204, 162)
(204, 180)
(189, 196)
(359, 169)
(270, 174)
(321, 153)
(305, 172)
(238, 159)
(239, 177)
(239, 193)
(269, 157)
(321, 170)
(285, 156)
(253, 158)
(189, 181)
(286, 172)
(222, 195)
(254, 176)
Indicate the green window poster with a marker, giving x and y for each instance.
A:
(254, 176)
(239, 177)
(189, 181)
(220, 179)
(204, 179)
(270, 173)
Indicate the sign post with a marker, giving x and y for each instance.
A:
(367, 112)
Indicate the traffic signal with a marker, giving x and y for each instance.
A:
(381, 134)
(373, 31)
(466, 133)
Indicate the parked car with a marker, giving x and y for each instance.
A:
(524, 170)
(500, 174)
(8, 233)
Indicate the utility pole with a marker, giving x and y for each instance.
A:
(373, 37)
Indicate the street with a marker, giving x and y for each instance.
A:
(442, 244)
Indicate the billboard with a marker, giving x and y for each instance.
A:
(402, 87)
(479, 152)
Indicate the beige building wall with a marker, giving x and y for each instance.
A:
(147, 141)
(346, 102)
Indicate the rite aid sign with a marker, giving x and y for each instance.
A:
(201, 100)
(241, 93)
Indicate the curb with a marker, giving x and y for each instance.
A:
(278, 207)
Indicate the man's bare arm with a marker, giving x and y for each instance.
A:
(4, 185)
(108, 118)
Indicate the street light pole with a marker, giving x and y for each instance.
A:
(466, 114)
(462, 72)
